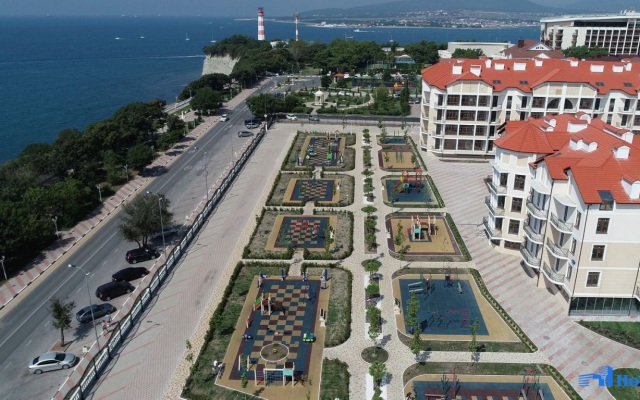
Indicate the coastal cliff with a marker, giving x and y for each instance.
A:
(218, 64)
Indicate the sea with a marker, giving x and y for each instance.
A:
(68, 72)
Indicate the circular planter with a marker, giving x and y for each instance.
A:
(381, 355)
(274, 352)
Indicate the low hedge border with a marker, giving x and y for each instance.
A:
(561, 381)
(435, 191)
(458, 237)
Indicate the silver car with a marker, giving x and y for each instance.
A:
(51, 362)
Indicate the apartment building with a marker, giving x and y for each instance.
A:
(465, 101)
(565, 193)
(618, 33)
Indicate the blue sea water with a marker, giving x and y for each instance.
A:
(59, 72)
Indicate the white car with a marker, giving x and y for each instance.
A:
(341, 93)
(224, 117)
(292, 117)
(51, 362)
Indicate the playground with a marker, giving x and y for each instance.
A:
(327, 151)
(326, 190)
(397, 158)
(302, 231)
(449, 386)
(449, 305)
(409, 189)
(279, 337)
(424, 236)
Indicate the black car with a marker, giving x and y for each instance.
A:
(141, 254)
(99, 311)
(112, 290)
(129, 274)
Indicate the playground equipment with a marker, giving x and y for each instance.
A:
(406, 179)
(308, 337)
(271, 375)
(417, 229)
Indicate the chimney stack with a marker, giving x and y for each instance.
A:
(260, 24)
(521, 43)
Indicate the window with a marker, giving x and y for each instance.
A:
(511, 245)
(518, 183)
(574, 243)
(577, 223)
(597, 252)
(569, 272)
(593, 279)
(516, 205)
(497, 81)
(603, 225)
(607, 200)
(628, 84)
(514, 227)
(524, 82)
(599, 84)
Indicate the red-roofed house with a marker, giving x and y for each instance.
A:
(565, 193)
(465, 101)
(530, 49)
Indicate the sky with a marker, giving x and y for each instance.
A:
(221, 8)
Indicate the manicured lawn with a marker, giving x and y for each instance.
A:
(335, 380)
(625, 392)
(627, 333)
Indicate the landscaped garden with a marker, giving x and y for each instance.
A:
(332, 151)
(296, 189)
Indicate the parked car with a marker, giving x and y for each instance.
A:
(141, 254)
(168, 231)
(314, 118)
(252, 123)
(52, 362)
(341, 93)
(129, 274)
(245, 133)
(224, 117)
(292, 117)
(99, 311)
(112, 290)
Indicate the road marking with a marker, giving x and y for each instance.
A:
(28, 343)
(78, 289)
(45, 325)
(8, 365)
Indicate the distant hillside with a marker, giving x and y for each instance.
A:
(397, 7)
(610, 6)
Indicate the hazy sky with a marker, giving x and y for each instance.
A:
(243, 8)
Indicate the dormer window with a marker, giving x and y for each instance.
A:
(607, 200)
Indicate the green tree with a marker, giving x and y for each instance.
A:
(411, 319)
(139, 157)
(416, 342)
(473, 328)
(141, 217)
(206, 100)
(372, 266)
(423, 52)
(377, 370)
(369, 210)
(60, 311)
(582, 52)
(215, 81)
(467, 53)
(325, 81)
(112, 164)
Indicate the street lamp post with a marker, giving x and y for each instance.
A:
(164, 247)
(3, 270)
(55, 222)
(99, 192)
(93, 320)
(126, 171)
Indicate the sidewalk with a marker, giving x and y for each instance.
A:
(54, 254)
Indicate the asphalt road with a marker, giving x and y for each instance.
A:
(25, 328)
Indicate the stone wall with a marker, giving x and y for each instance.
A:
(218, 64)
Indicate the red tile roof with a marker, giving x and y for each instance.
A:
(527, 50)
(592, 171)
(614, 76)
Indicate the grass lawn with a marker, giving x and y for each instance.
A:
(627, 333)
(335, 380)
(457, 345)
(201, 382)
(625, 392)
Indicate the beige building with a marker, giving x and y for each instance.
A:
(565, 193)
(465, 101)
(618, 33)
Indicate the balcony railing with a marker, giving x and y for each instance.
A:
(562, 226)
(529, 259)
(638, 292)
(497, 189)
(493, 233)
(494, 210)
(535, 237)
(535, 210)
(556, 250)
(552, 275)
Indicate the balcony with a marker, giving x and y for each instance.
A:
(552, 275)
(560, 225)
(637, 292)
(536, 211)
(492, 209)
(532, 235)
(492, 232)
(625, 110)
(529, 259)
(497, 189)
(557, 251)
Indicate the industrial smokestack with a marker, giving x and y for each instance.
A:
(297, 32)
(260, 24)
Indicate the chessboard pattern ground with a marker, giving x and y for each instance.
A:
(317, 148)
(313, 190)
(445, 307)
(305, 232)
(294, 308)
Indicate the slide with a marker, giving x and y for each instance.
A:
(400, 182)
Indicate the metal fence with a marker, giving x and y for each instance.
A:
(98, 364)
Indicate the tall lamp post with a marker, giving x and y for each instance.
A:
(126, 171)
(164, 248)
(55, 222)
(99, 192)
(3, 270)
(93, 320)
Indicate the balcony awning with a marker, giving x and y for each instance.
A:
(539, 187)
(565, 200)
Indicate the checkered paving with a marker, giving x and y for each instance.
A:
(305, 231)
(320, 147)
(313, 189)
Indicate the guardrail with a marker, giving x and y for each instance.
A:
(175, 106)
(95, 365)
